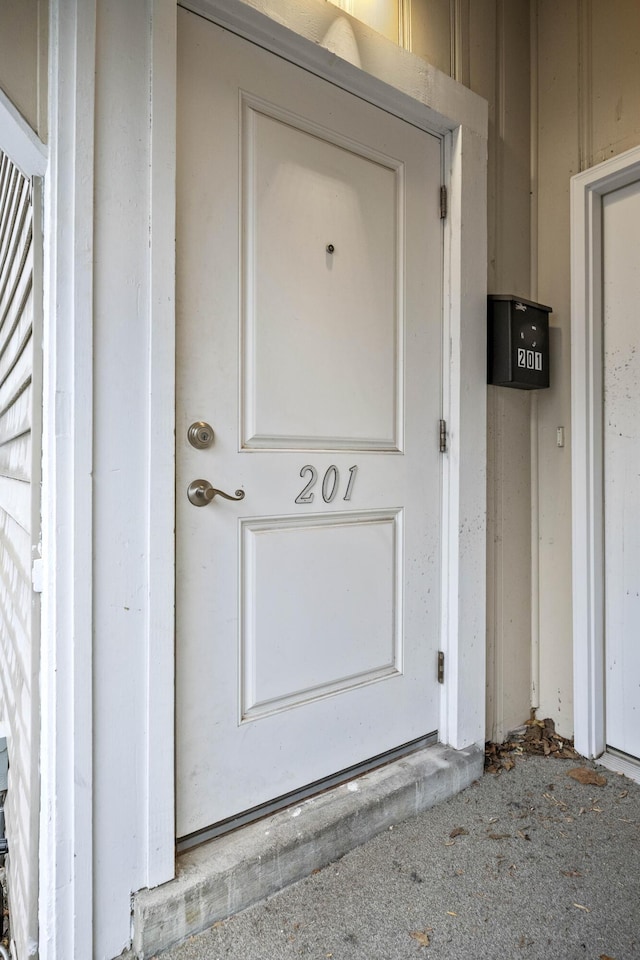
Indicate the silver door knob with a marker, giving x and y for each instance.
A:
(201, 492)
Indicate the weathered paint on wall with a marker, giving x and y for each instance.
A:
(23, 59)
(589, 110)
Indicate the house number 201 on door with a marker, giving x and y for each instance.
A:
(330, 484)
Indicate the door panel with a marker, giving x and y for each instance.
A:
(621, 383)
(306, 571)
(300, 193)
(309, 252)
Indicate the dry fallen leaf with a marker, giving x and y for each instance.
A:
(459, 832)
(535, 737)
(605, 956)
(523, 835)
(498, 836)
(584, 775)
(422, 936)
(580, 907)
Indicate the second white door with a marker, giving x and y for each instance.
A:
(309, 337)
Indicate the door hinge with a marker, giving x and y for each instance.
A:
(443, 436)
(440, 666)
(443, 202)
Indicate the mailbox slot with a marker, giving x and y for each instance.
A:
(517, 343)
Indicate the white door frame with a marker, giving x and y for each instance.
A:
(587, 191)
(85, 899)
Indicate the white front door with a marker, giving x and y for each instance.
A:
(309, 250)
(621, 382)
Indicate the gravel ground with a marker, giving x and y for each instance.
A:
(528, 864)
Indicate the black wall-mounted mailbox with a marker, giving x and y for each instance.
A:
(517, 343)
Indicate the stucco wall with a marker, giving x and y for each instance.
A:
(589, 110)
(23, 59)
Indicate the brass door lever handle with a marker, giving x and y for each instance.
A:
(201, 492)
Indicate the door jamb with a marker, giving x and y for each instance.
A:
(587, 191)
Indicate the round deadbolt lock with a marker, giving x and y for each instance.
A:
(200, 435)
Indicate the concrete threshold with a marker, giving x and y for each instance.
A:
(232, 872)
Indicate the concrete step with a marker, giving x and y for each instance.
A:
(228, 874)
